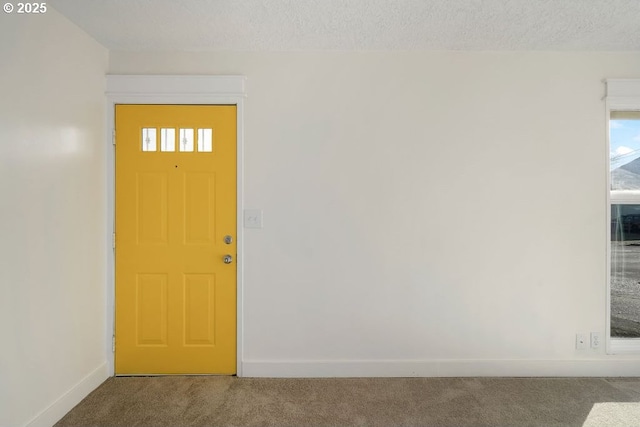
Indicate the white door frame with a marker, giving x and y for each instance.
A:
(192, 90)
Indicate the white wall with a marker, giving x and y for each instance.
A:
(52, 217)
(425, 213)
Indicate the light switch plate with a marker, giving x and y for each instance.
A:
(252, 218)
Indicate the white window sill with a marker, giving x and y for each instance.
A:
(624, 345)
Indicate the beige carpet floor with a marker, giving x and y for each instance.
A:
(231, 401)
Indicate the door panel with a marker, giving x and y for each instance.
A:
(199, 208)
(151, 309)
(151, 213)
(175, 203)
(199, 309)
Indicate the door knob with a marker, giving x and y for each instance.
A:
(228, 259)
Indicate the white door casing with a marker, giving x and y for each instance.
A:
(170, 89)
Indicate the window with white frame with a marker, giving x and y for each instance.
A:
(623, 110)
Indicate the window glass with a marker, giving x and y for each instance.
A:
(624, 137)
(205, 140)
(167, 139)
(186, 139)
(625, 271)
(148, 139)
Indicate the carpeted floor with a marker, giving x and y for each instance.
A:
(231, 401)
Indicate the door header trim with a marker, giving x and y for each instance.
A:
(145, 86)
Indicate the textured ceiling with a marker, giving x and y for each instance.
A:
(285, 25)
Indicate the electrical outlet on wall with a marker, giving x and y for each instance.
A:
(595, 340)
(581, 341)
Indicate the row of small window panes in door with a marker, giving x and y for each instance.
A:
(185, 141)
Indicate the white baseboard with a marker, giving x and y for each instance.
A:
(71, 398)
(441, 368)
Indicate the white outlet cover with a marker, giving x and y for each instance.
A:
(252, 218)
(596, 341)
(581, 341)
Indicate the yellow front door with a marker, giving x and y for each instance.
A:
(175, 222)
